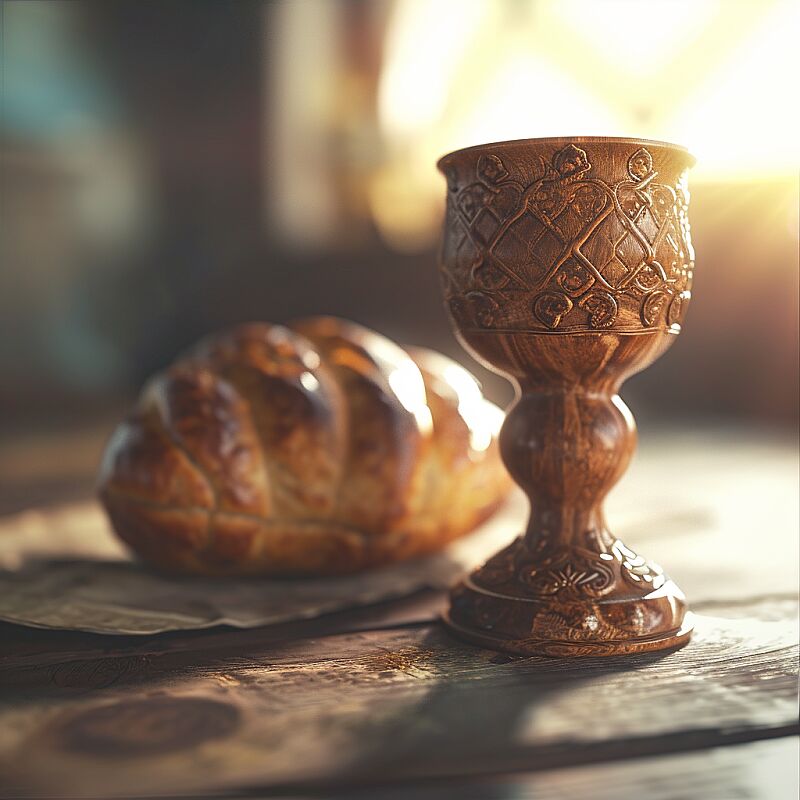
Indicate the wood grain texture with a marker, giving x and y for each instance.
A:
(387, 705)
(567, 266)
(754, 771)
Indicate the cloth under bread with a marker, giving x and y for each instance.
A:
(65, 569)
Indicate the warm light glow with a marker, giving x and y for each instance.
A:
(423, 48)
(483, 418)
(745, 120)
(402, 374)
(502, 111)
(640, 36)
(309, 382)
(714, 76)
(407, 384)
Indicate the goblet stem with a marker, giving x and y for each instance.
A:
(568, 586)
(567, 447)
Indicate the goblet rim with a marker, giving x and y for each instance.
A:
(565, 140)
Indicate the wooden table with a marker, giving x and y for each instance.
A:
(381, 703)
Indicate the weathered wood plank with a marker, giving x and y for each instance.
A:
(393, 704)
(765, 770)
(35, 658)
(33, 647)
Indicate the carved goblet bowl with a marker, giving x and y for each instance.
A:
(567, 266)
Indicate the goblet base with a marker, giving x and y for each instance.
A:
(567, 649)
(569, 602)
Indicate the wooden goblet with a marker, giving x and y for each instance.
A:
(566, 267)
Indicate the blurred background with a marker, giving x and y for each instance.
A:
(169, 169)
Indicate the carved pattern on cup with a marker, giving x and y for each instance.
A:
(550, 308)
(677, 308)
(602, 308)
(653, 307)
(567, 235)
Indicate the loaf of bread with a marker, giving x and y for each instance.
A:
(319, 448)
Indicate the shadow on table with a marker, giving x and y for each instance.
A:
(476, 719)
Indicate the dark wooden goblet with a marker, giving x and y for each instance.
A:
(566, 266)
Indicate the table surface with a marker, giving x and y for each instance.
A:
(380, 702)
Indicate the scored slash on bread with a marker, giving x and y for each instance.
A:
(318, 448)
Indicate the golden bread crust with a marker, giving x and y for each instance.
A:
(323, 448)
